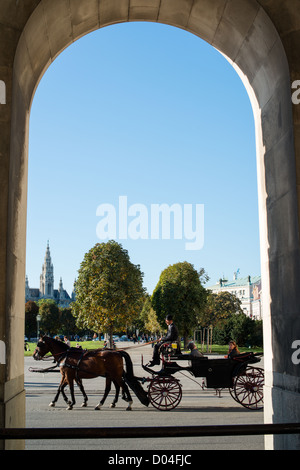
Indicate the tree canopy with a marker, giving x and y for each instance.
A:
(179, 292)
(240, 328)
(148, 317)
(219, 307)
(50, 316)
(31, 311)
(109, 289)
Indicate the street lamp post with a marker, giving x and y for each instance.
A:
(38, 319)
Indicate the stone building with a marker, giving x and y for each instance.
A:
(46, 289)
(247, 290)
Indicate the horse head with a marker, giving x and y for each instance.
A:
(42, 348)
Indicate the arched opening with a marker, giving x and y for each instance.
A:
(249, 40)
(169, 123)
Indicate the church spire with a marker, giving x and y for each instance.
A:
(47, 276)
(27, 289)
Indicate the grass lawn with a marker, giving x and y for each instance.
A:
(216, 348)
(83, 344)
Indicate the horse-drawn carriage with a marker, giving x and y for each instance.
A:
(164, 392)
(245, 382)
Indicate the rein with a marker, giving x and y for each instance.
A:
(48, 369)
(47, 358)
(62, 355)
(138, 346)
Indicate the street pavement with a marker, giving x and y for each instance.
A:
(197, 407)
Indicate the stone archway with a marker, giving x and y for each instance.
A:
(249, 39)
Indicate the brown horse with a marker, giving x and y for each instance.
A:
(76, 364)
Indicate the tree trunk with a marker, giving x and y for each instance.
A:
(186, 340)
(110, 339)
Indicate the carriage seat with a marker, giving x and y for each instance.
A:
(248, 357)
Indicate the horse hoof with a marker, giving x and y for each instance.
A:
(112, 405)
(84, 405)
(52, 404)
(98, 407)
(129, 406)
(70, 407)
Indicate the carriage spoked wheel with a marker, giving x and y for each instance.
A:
(165, 393)
(248, 388)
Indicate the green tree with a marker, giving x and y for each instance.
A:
(109, 289)
(179, 292)
(50, 317)
(240, 328)
(149, 317)
(31, 311)
(218, 308)
(67, 322)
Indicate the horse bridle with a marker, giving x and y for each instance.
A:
(63, 356)
(38, 357)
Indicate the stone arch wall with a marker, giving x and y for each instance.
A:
(247, 37)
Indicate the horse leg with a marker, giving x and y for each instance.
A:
(71, 403)
(129, 399)
(85, 398)
(106, 392)
(117, 377)
(57, 394)
(56, 397)
(63, 393)
(117, 386)
(60, 390)
(126, 395)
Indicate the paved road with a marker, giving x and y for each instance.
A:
(197, 407)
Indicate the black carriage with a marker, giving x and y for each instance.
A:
(245, 382)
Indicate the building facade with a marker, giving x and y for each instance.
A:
(46, 289)
(247, 290)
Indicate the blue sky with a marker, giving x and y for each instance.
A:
(153, 113)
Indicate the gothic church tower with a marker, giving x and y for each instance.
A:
(47, 276)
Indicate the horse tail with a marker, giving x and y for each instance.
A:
(128, 362)
(132, 381)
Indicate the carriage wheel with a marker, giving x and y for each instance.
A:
(248, 388)
(165, 393)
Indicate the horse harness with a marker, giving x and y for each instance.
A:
(62, 361)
